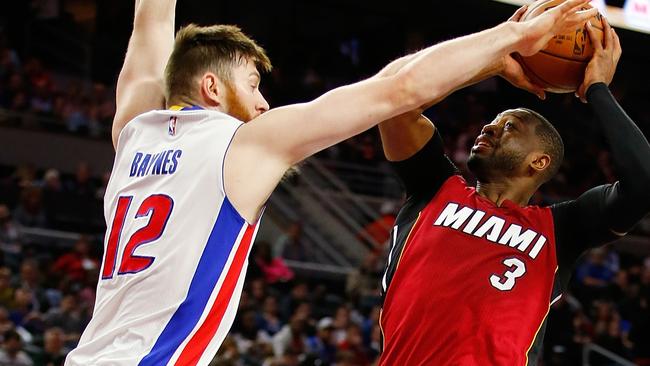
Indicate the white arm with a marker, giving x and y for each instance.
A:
(140, 85)
(264, 148)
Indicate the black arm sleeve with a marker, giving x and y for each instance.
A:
(602, 213)
(423, 174)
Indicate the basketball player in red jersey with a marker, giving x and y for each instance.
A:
(472, 272)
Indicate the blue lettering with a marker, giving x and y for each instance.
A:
(164, 171)
(145, 164)
(175, 157)
(134, 165)
(158, 164)
(153, 159)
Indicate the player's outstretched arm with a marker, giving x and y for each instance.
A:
(140, 84)
(406, 134)
(284, 136)
(603, 212)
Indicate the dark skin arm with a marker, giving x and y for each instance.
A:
(609, 211)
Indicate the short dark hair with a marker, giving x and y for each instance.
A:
(215, 48)
(549, 139)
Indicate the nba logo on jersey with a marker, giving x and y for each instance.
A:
(172, 125)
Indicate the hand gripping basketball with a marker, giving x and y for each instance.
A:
(602, 66)
(538, 31)
(559, 67)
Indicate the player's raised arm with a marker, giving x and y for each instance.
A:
(140, 84)
(601, 213)
(285, 136)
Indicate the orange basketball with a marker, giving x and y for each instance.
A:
(560, 66)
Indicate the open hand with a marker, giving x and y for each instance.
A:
(511, 69)
(538, 31)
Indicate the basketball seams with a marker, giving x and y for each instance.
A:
(564, 57)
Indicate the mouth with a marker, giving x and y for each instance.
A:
(482, 142)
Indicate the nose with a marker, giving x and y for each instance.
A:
(262, 105)
(490, 130)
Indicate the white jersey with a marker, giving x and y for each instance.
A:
(175, 252)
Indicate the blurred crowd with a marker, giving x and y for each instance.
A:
(56, 102)
(285, 317)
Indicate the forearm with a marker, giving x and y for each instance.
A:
(160, 11)
(439, 70)
(629, 147)
(140, 85)
(404, 135)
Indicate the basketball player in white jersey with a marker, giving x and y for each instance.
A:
(189, 182)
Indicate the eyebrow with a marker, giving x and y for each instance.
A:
(255, 74)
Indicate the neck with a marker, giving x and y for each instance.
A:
(183, 101)
(497, 192)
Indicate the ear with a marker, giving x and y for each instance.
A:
(539, 162)
(211, 93)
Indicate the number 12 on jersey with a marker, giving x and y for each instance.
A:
(158, 207)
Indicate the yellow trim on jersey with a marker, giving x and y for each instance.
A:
(381, 330)
(176, 108)
(542, 323)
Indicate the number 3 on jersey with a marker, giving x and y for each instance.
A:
(158, 207)
(505, 282)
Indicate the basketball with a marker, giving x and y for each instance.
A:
(560, 66)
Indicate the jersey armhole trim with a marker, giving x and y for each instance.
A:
(223, 182)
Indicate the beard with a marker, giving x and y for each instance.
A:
(498, 164)
(234, 106)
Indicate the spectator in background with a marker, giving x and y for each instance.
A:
(11, 353)
(298, 295)
(353, 344)
(594, 275)
(250, 339)
(5, 323)
(74, 265)
(31, 279)
(289, 244)
(69, 318)
(30, 211)
(77, 119)
(53, 197)
(6, 291)
(42, 101)
(292, 338)
(362, 284)
(54, 350)
(82, 184)
(342, 321)
(23, 313)
(9, 60)
(269, 318)
(37, 75)
(274, 269)
(377, 233)
(9, 238)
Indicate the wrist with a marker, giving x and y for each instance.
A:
(596, 85)
(516, 35)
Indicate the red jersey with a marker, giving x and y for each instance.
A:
(480, 278)
(471, 283)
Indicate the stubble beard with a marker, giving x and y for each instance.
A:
(494, 166)
(234, 105)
